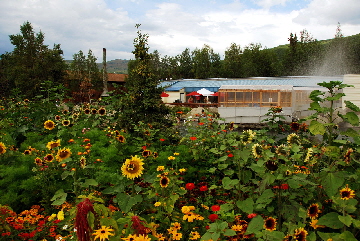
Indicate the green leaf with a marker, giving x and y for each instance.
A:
(351, 106)
(331, 220)
(59, 197)
(317, 128)
(90, 182)
(351, 118)
(229, 183)
(275, 235)
(350, 132)
(266, 197)
(348, 236)
(246, 206)
(229, 232)
(347, 220)
(255, 225)
(331, 183)
(126, 202)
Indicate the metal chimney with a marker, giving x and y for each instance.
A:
(105, 75)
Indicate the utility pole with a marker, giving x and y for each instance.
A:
(105, 75)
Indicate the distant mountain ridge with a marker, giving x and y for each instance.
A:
(117, 66)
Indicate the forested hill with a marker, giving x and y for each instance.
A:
(118, 66)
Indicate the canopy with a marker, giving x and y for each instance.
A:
(163, 94)
(193, 93)
(215, 94)
(205, 92)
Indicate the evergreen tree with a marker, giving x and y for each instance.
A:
(142, 102)
(31, 63)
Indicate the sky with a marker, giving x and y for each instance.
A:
(174, 25)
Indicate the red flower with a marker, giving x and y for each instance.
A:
(162, 139)
(203, 188)
(193, 138)
(144, 147)
(230, 155)
(215, 208)
(252, 215)
(190, 186)
(284, 186)
(213, 217)
(201, 123)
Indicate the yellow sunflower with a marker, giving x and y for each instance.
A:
(120, 138)
(49, 125)
(194, 235)
(257, 150)
(103, 233)
(346, 193)
(133, 167)
(164, 181)
(87, 111)
(2, 148)
(52, 144)
(146, 153)
(293, 139)
(313, 211)
(129, 238)
(300, 234)
(82, 162)
(102, 111)
(62, 154)
(65, 122)
(270, 224)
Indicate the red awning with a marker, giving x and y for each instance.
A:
(163, 94)
(193, 93)
(215, 94)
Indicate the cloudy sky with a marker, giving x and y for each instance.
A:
(174, 25)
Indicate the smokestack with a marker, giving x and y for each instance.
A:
(105, 75)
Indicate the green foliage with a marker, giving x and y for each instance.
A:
(31, 63)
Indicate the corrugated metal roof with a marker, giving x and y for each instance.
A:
(214, 85)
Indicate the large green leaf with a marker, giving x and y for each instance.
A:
(266, 197)
(351, 106)
(331, 182)
(317, 128)
(59, 197)
(246, 206)
(351, 118)
(347, 219)
(331, 220)
(229, 183)
(126, 202)
(255, 225)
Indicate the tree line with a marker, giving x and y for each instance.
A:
(31, 63)
(303, 55)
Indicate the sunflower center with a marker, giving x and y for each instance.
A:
(345, 194)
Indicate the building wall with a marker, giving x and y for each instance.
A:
(352, 93)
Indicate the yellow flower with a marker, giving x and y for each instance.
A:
(313, 211)
(182, 170)
(103, 233)
(346, 193)
(160, 168)
(194, 235)
(176, 225)
(190, 216)
(164, 181)
(60, 215)
(314, 224)
(129, 238)
(142, 237)
(293, 139)
(52, 216)
(237, 227)
(171, 158)
(52, 144)
(300, 234)
(62, 154)
(177, 236)
(49, 125)
(157, 204)
(176, 153)
(133, 167)
(2, 148)
(270, 224)
(257, 150)
(187, 209)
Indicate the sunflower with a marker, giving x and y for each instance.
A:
(87, 111)
(65, 122)
(257, 150)
(164, 181)
(27, 152)
(281, 150)
(314, 224)
(52, 144)
(102, 111)
(2, 148)
(65, 112)
(346, 193)
(132, 167)
(270, 224)
(49, 158)
(94, 111)
(62, 154)
(38, 161)
(293, 139)
(308, 154)
(49, 125)
(146, 153)
(248, 136)
(103, 233)
(313, 211)
(155, 154)
(57, 117)
(82, 162)
(271, 165)
(300, 234)
(120, 138)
